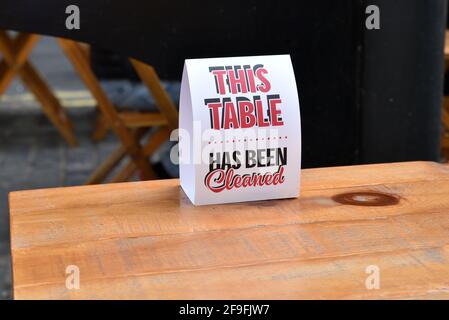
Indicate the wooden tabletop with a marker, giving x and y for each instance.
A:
(145, 240)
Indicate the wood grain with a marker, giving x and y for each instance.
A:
(145, 240)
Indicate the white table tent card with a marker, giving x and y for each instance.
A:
(240, 130)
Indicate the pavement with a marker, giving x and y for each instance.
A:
(32, 153)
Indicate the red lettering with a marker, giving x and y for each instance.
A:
(260, 118)
(266, 85)
(218, 180)
(215, 180)
(274, 112)
(230, 116)
(251, 80)
(214, 106)
(247, 117)
(219, 78)
(241, 80)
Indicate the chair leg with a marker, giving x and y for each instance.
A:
(445, 113)
(155, 141)
(100, 174)
(101, 128)
(445, 146)
(22, 47)
(50, 104)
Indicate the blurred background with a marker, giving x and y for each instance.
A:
(366, 95)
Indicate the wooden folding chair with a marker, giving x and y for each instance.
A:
(15, 62)
(128, 126)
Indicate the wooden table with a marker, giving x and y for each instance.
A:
(145, 240)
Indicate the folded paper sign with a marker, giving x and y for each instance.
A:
(239, 130)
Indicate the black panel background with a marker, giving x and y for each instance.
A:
(344, 72)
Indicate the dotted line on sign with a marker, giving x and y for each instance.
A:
(249, 140)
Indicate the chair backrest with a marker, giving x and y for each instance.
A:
(163, 101)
